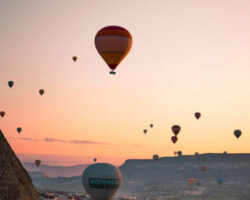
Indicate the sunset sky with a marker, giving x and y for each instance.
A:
(187, 56)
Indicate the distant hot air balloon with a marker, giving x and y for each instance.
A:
(113, 43)
(237, 133)
(175, 153)
(101, 181)
(151, 125)
(19, 129)
(95, 159)
(220, 181)
(74, 58)
(174, 139)
(155, 157)
(197, 115)
(203, 169)
(38, 163)
(191, 181)
(11, 83)
(176, 129)
(2, 113)
(41, 92)
(145, 131)
(179, 153)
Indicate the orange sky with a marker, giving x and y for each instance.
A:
(187, 56)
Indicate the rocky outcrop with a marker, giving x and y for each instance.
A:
(15, 182)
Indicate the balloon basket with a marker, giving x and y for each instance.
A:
(112, 72)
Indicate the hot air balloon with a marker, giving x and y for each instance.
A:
(11, 83)
(2, 113)
(113, 43)
(237, 133)
(203, 169)
(191, 181)
(95, 159)
(197, 115)
(19, 129)
(155, 157)
(145, 131)
(220, 181)
(174, 139)
(38, 163)
(74, 58)
(179, 153)
(101, 181)
(175, 153)
(41, 92)
(151, 125)
(176, 129)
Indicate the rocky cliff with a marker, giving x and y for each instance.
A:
(15, 182)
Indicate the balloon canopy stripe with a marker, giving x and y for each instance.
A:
(112, 43)
(114, 30)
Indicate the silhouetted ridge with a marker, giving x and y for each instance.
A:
(15, 182)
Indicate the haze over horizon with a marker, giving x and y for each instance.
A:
(186, 57)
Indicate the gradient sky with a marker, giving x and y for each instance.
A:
(187, 56)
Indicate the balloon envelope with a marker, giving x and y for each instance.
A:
(176, 129)
(237, 133)
(113, 43)
(11, 83)
(191, 181)
(145, 131)
(41, 92)
(101, 181)
(155, 157)
(197, 115)
(174, 139)
(2, 113)
(179, 153)
(74, 58)
(151, 125)
(95, 159)
(38, 163)
(19, 129)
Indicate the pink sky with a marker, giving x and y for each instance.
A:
(187, 56)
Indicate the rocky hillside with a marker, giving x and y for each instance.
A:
(15, 182)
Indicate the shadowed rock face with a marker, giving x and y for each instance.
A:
(15, 182)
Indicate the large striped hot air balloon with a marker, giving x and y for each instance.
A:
(113, 43)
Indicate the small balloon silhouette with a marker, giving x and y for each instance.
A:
(2, 113)
(176, 129)
(237, 133)
(41, 92)
(174, 139)
(19, 129)
(11, 83)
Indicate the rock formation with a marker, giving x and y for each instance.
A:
(15, 182)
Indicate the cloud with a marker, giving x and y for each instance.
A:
(58, 140)
(53, 140)
(86, 142)
(24, 138)
(29, 139)
(73, 141)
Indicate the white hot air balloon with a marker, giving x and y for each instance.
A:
(101, 181)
